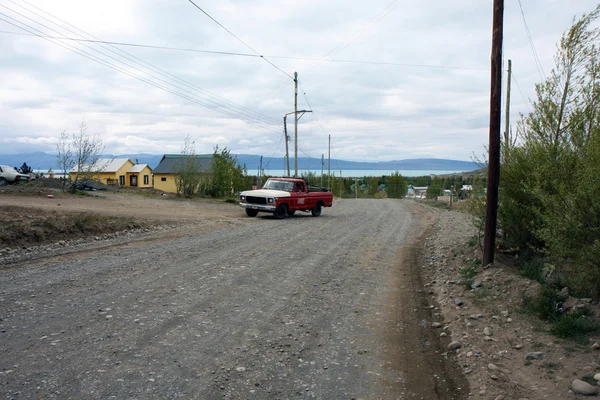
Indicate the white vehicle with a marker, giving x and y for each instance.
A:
(10, 175)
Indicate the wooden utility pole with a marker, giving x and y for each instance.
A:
(287, 152)
(329, 165)
(507, 117)
(491, 214)
(295, 124)
(322, 165)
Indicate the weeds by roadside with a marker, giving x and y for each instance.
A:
(548, 305)
(469, 272)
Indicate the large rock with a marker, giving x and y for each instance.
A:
(581, 387)
(534, 355)
(454, 346)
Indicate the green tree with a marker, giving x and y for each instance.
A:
(396, 186)
(549, 185)
(435, 189)
(373, 188)
(227, 176)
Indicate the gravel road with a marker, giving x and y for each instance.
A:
(329, 307)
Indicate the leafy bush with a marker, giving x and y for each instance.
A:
(549, 182)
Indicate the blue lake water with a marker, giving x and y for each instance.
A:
(359, 173)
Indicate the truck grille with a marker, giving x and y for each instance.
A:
(256, 200)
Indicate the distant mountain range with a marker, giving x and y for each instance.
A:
(45, 161)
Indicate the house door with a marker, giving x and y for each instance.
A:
(133, 180)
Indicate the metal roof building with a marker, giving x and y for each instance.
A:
(168, 164)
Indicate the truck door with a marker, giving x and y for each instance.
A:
(301, 195)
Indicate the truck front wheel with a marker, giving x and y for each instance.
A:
(280, 211)
(251, 213)
(316, 211)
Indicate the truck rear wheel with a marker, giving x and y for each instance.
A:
(3, 182)
(316, 211)
(251, 213)
(280, 211)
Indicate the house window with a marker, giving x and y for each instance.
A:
(146, 180)
(163, 179)
(122, 180)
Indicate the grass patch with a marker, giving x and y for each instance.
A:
(438, 204)
(545, 305)
(589, 379)
(551, 365)
(469, 272)
(577, 325)
(473, 242)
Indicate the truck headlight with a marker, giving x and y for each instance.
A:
(270, 200)
(243, 198)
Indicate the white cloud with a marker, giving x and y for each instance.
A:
(373, 112)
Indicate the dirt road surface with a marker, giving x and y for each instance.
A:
(329, 307)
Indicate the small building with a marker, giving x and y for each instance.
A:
(110, 171)
(170, 165)
(140, 175)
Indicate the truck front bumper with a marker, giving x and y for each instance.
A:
(259, 207)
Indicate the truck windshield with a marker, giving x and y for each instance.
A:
(275, 184)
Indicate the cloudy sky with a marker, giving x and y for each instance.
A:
(386, 79)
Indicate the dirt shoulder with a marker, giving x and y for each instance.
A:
(126, 205)
(505, 352)
(45, 221)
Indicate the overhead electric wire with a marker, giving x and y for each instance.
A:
(92, 57)
(147, 46)
(520, 91)
(310, 108)
(219, 102)
(349, 42)
(538, 64)
(227, 53)
(273, 155)
(240, 40)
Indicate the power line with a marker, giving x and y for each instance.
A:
(333, 51)
(538, 64)
(148, 46)
(90, 56)
(273, 155)
(226, 53)
(218, 105)
(309, 106)
(520, 91)
(228, 104)
(240, 40)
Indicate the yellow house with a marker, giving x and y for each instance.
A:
(110, 171)
(140, 175)
(166, 170)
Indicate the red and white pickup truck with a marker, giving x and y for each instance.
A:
(285, 196)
